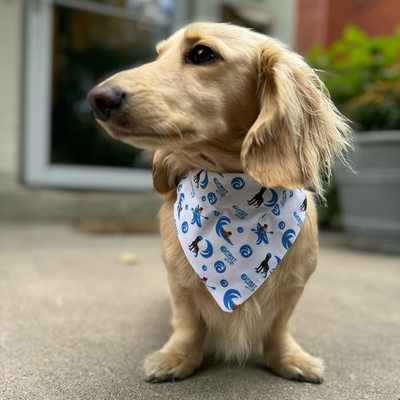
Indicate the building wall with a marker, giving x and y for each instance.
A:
(375, 17)
(11, 87)
(323, 21)
(378, 16)
(312, 23)
(283, 14)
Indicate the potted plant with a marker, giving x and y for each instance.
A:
(365, 84)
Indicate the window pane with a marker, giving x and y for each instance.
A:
(88, 48)
(161, 5)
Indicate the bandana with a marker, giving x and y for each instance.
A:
(234, 231)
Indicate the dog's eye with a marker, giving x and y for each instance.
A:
(200, 55)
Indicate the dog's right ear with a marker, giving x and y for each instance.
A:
(160, 172)
(298, 131)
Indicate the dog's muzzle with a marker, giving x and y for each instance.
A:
(104, 99)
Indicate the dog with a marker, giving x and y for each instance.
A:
(194, 246)
(304, 205)
(258, 199)
(226, 233)
(224, 98)
(264, 267)
(197, 178)
(264, 228)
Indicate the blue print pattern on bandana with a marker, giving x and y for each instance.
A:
(234, 231)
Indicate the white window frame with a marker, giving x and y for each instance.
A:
(37, 169)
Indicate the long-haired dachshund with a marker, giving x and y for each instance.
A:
(226, 99)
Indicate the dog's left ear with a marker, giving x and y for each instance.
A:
(298, 130)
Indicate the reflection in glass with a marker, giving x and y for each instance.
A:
(88, 48)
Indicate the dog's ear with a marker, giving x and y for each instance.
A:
(298, 131)
(161, 182)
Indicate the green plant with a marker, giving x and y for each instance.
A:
(362, 75)
(378, 108)
(355, 62)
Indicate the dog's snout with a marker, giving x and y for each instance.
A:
(103, 99)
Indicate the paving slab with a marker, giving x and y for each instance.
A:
(76, 322)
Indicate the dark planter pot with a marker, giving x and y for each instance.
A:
(370, 199)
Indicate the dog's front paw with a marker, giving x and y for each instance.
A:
(166, 367)
(299, 366)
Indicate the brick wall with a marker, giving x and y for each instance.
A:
(322, 21)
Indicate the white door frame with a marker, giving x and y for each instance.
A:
(37, 169)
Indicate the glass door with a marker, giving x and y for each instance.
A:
(71, 46)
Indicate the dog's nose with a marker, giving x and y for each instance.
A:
(103, 99)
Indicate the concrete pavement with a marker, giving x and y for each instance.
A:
(76, 323)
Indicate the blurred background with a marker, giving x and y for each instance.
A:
(56, 162)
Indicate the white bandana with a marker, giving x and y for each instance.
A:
(234, 231)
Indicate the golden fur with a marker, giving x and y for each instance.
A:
(259, 109)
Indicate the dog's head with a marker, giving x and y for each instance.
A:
(224, 98)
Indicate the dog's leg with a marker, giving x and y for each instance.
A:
(284, 356)
(183, 352)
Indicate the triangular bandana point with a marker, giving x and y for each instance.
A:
(234, 231)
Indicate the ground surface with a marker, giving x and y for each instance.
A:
(76, 323)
